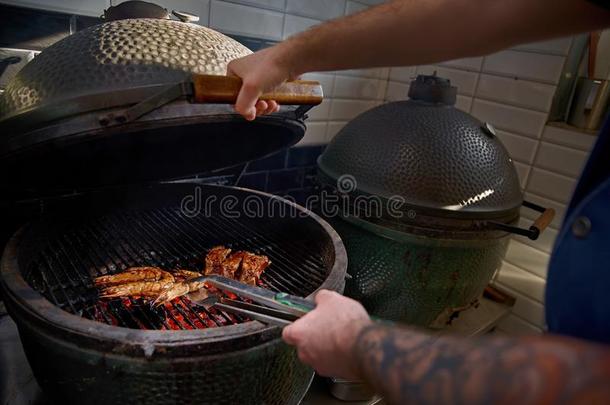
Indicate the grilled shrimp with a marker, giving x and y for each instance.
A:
(148, 289)
(181, 274)
(131, 275)
(178, 290)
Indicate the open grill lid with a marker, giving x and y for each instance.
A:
(105, 106)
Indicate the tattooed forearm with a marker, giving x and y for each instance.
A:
(407, 366)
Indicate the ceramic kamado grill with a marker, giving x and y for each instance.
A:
(429, 198)
(118, 109)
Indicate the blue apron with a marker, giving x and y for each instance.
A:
(578, 285)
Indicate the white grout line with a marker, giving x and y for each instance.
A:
(528, 270)
(540, 51)
(475, 90)
(489, 73)
(505, 286)
(256, 6)
(537, 327)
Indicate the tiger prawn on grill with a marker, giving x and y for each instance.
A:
(242, 266)
(131, 275)
(163, 286)
(135, 282)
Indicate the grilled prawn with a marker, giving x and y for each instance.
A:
(178, 290)
(147, 289)
(182, 275)
(121, 287)
(243, 266)
(131, 275)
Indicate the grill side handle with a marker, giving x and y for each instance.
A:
(224, 89)
(544, 219)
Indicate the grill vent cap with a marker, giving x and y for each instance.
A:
(433, 89)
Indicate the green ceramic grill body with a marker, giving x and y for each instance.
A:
(415, 279)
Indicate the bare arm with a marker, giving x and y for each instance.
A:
(409, 366)
(410, 32)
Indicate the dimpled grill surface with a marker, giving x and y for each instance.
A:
(118, 55)
(434, 156)
(413, 282)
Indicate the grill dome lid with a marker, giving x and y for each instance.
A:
(433, 156)
(53, 113)
(115, 55)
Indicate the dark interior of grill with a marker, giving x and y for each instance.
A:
(148, 152)
(112, 231)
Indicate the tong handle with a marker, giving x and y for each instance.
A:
(224, 89)
(285, 302)
(295, 302)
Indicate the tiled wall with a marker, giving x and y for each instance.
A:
(512, 89)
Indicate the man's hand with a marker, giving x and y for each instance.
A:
(259, 72)
(325, 337)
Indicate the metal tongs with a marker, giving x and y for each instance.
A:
(273, 308)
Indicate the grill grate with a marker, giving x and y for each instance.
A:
(64, 269)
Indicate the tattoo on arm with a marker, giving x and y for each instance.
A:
(407, 366)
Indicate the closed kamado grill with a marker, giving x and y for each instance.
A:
(449, 199)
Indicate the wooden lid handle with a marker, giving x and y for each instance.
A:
(224, 89)
(544, 219)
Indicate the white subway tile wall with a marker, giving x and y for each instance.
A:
(245, 20)
(333, 129)
(518, 92)
(348, 109)
(320, 9)
(511, 89)
(523, 170)
(315, 134)
(93, 8)
(559, 46)
(353, 7)
(396, 91)
(525, 65)
(271, 4)
(509, 118)
(463, 103)
(403, 74)
(473, 64)
(294, 24)
(520, 148)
